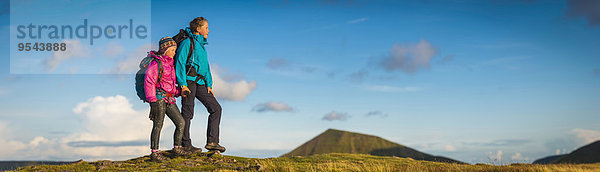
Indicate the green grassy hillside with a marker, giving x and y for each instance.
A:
(320, 162)
(337, 141)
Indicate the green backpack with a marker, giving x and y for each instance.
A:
(141, 75)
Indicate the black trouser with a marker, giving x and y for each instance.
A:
(213, 107)
(173, 113)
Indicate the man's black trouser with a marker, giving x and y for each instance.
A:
(213, 107)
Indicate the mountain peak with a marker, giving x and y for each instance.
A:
(334, 130)
(339, 141)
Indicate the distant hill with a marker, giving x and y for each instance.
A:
(337, 141)
(587, 154)
(548, 160)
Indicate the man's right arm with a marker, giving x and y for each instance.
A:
(182, 55)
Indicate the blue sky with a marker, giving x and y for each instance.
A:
(476, 81)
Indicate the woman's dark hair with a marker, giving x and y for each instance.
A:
(197, 23)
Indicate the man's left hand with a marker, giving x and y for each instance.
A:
(210, 91)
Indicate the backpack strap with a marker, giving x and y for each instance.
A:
(160, 75)
(192, 46)
(160, 71)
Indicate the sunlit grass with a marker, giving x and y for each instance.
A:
(321, 162)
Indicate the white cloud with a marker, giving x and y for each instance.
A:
(333, 116)
(385, 88)
(495, 156)
(376, 113)
(335, 25)
(518, 157)
(449, 148)
(359, 20)
(229, 89)
(273, 106)
(37, 141)
(286, 67)
(111, 119)
(113, 49)
(499, 155)
(586, 136)
(131, 62)
(8, 147)
(103, 120)
(278, 63)
(75, 49)
(409, 57)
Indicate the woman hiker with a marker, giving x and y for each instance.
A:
(161, 92)
(195, 81)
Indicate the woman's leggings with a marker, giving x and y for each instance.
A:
(173, 112)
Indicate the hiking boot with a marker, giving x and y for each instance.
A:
(180, 151)
(192, 149)
(157, 157)
(215, 146)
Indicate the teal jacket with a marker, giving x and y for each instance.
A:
(199, 60)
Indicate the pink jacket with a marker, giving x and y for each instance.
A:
(167, 83)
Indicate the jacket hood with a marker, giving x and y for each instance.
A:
(190, 34)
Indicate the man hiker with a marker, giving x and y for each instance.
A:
(195, 80)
